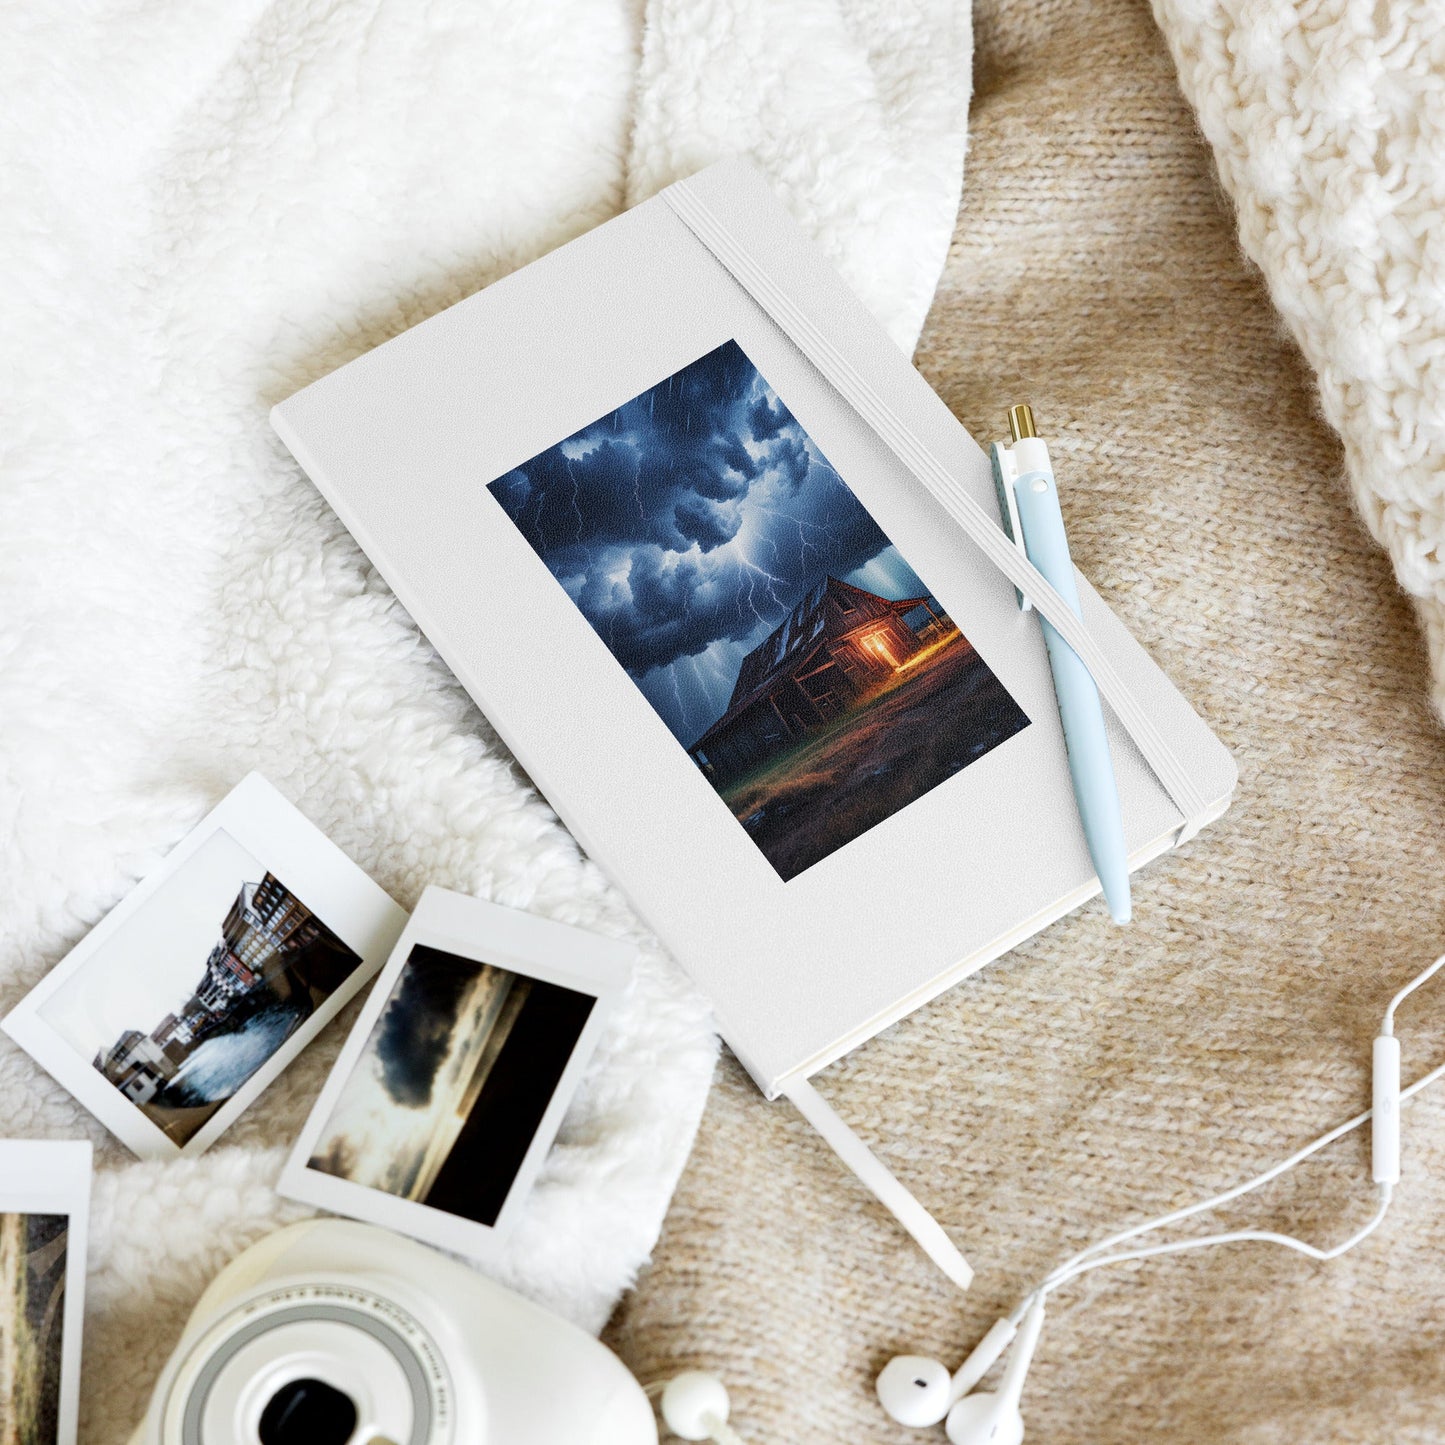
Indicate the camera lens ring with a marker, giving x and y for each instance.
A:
(395, 1342)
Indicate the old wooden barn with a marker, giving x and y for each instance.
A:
(837, 643)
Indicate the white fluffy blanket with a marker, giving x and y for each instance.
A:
(205, 207)
(1327, 121)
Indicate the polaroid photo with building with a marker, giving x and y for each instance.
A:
(44, 1217)
(196, 991)
(450, 1090)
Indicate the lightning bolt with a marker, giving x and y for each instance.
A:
(702, 688)
(804, 527)
(771, 590)
(576, 500)
(677, 695)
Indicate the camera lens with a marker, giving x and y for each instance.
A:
(308, 1412)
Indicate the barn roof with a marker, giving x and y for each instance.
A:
(810, 622)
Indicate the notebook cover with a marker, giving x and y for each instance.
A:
(763, 678)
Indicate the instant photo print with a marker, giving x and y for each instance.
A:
(44, 1224)
(451, 1088)
(195, 992)
(729, 580)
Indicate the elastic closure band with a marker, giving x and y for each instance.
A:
(985, 533)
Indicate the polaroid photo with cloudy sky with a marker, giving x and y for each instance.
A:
(450, 1091)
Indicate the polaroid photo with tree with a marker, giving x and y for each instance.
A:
(196, 991)
(450, 1090)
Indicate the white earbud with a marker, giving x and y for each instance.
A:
(983, 1419)
(917, 1391)
(991, 1417)
(695, 1406)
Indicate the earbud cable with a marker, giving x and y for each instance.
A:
(1234, 1236)
(1389, 1025)
(1097, 1255)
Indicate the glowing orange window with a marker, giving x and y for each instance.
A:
(877, 644)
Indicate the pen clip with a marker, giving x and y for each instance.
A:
(1005, 474)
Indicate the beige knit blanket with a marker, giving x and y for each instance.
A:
(1327, 121)
(1099, 1075)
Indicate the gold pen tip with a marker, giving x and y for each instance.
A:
(1021, 422)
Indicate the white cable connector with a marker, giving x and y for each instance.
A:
(1385, 1111)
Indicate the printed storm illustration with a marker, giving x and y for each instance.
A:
(784, 641)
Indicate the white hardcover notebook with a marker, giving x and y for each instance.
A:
(728, 579)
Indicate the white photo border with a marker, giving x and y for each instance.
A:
(52, 1176)
(263, 822)
(524, 943)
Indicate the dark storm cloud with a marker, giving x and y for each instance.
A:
(705, 522)
(734, 455)
(416, 1029)
(694, 514)
(792, 460)
(765, 420)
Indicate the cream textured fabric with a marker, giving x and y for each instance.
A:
(205, 207)
(1098, 1075)
(1327, 122)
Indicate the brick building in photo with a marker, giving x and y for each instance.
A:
(272, 950)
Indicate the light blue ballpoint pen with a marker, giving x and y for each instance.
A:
(1031, 500)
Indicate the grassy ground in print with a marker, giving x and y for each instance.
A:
(928, 722)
